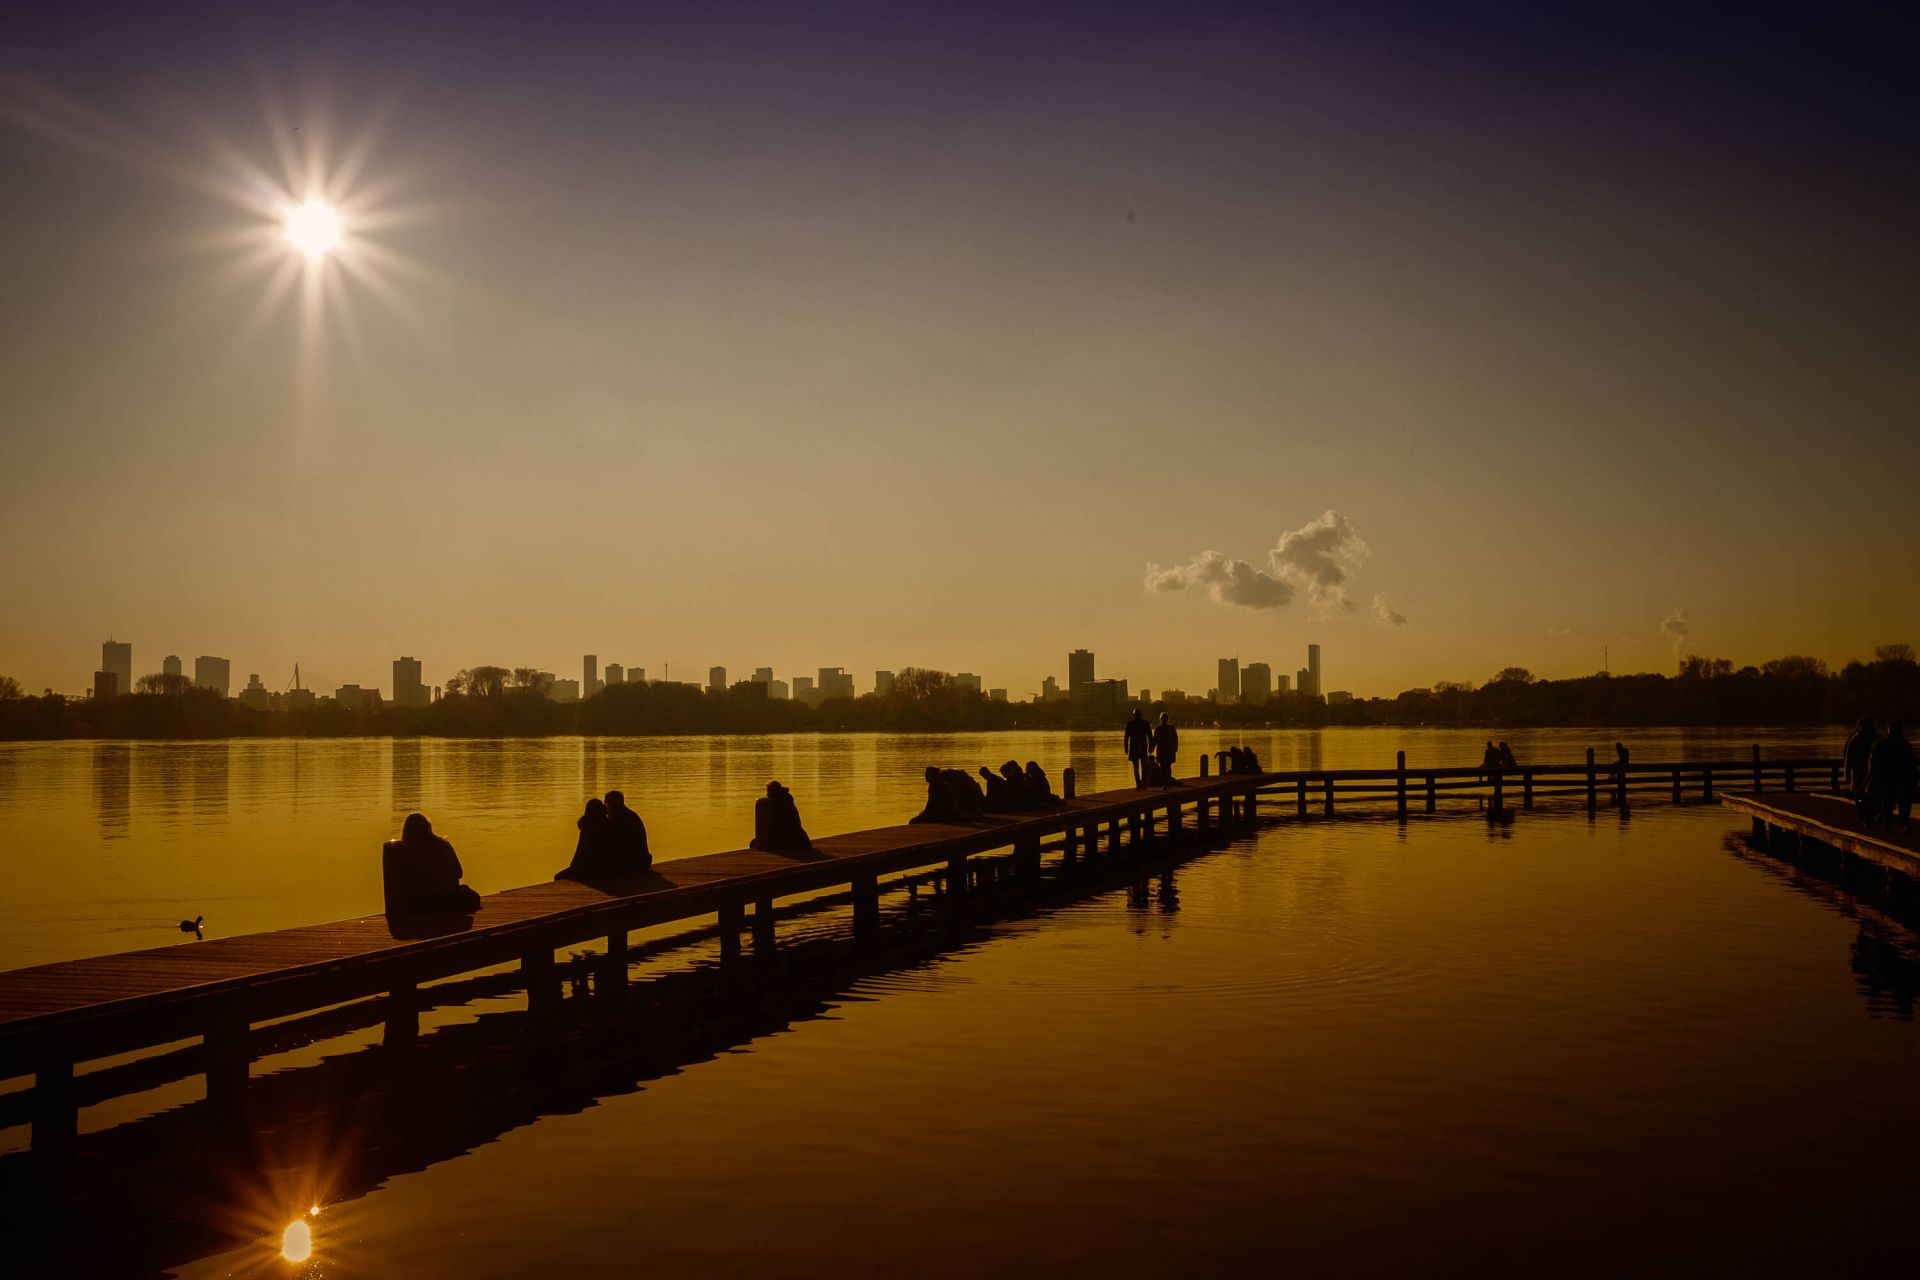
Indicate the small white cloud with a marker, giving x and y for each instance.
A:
(1384, 613)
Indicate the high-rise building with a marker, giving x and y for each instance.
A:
(1282, 685)
(967, 680)
(563, 690)
(1079, 669)
(354, 698)
(882, 684)
(170, 665)
(589, 675)
(616, 674)
(255, 695)
(106, 684)
(716, 679)
(777, 690)
(407, 689)
(996, 695)
(835, 683)
(1301, 682)
(763, 675)
(636, 675)
(1313, 670)
(1256, 683)
(803, 691)
(1050, 690)
(1339, 698)
(1229, 679)
(116, 658)
(213, 673)
(1102, 700)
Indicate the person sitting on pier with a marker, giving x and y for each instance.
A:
(997, 800)
(420, 872)
(627, 849)
(591, 850)
(1138, 740)
(1166, 748)
(1249, 762)
(1489, 762)
(776, 822)
(1039, 789)
(1890, 780)
(1228, 759)
(1506, 758)
(952, 796)
(1019, 792)
(1853, 759)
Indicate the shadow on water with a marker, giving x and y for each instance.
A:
(172, 1187)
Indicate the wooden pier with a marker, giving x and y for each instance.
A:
(55, 1017)
(1795, 825)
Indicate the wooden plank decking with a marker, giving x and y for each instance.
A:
(1830, 820)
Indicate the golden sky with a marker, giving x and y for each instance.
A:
(874, 336)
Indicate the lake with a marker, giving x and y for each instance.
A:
(1607, 1044)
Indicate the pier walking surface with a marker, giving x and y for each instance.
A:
(55, 1016)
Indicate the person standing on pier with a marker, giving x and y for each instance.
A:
(1166, 746)
(1138, 740)
(1854, 757)
(1890, 780)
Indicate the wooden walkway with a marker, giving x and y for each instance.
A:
(57, 1015)
(1783, 821)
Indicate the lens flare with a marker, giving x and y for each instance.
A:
(296, 1243)
(313, 228)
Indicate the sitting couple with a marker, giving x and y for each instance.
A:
(613, 842)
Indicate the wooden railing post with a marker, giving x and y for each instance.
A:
(1756, 767)
(1300, 790)
(1400, 782)
(1789, 768)
(1250, 809)
(1200, 815)
(1433, 791)
(1067, 783)
(764, 936)
(866, 904)
(731, 918)
(1326, 791)
(1593, 788)
(1833, 783)
(957, 875)
(1526, 788)
(1706, 782)
(1676, 784)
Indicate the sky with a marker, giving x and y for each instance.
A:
(957, 336)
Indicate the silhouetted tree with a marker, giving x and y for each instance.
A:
(1893, 653)
(10, 689)
(1513, 675)
(528, 678)
(169, 685)
(481, 682)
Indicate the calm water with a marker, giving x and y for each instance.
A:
(1607, 1046)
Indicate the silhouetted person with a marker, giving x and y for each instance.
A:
(1506, 757)
(1249, 760)
(776, 822)
(592, 852)
(420, 872)
(1489, 762)
(952, 796)
(997, 800)
(1854, 757)
(1039, 788)
(628, 852)
(1890, 779)
(1166, 748)
(1019, 793)
(1620, 760)
(968, 799)
(1137, 737)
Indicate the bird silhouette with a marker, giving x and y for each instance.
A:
(192, 926)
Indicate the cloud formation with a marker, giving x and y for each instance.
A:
(1675, 628)
(1318, 558)
(1384, 613)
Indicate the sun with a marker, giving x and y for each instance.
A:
(313, 228)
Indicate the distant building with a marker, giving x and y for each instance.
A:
(716, 679)
(1301, 683)
(1256, 683)
(299, 700)
(1339, 698)
(882, 684)
(763, 675)
(213, 673)
(996, 695)
(1079, 669)
(1050, 690)
(967, 680)
(170, 665)
(1103, 700)
(1146, 696)
(563, 690)
(354, 698)
(408, 691)
(1173, 696)
(255, 695)
(777, 690)
(835, 683)
(803, 692)
(1313, 671)
(589, 675)
(106, 684)
(1282, 684)
(636, 675)
(1229, 680)
(616, 674)
(116, 658)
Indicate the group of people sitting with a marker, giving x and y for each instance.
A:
(953, 795)
(1238, 760)
(1880, 774)
(613, 842)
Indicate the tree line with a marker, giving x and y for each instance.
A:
(492, 701)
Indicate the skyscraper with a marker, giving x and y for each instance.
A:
(1283, 684)
(616, 674)
(589, 675)
(803, 691)
(1313, 669)
(835, 683)
(116, 659)
(170, 665)
(882, 683)
(1229, 679)
(967, 680)
(1079, 669)
(407, 689)
(763, 675)
(716, 679)
(1050, 690)
(213, 673)
(1256, 683)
